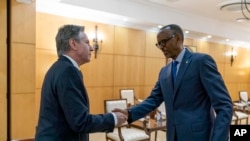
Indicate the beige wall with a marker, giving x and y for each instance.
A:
(3, 72)
(22, 70)
(237, 76)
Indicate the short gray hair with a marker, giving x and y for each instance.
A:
(65, 33)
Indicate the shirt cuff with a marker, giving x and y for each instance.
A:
(115, 118)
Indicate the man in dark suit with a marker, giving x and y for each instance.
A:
(64, 110)
(197, 102)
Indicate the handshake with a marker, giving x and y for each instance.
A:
(121, 115)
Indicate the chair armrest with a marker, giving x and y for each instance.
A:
(234, 110)
(137, 101)
(140, 100)
(145, 124)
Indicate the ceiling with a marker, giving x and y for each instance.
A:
(199, 17)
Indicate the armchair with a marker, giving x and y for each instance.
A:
(243, 103)
(130, 96)
(124, 132)
(238, 116)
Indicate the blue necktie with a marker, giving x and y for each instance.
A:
(174, 70)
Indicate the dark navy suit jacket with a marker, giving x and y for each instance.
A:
(198, 89)
(64, 111)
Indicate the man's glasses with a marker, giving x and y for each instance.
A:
(163, 42)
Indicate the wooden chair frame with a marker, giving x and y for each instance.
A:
(132, 100)
(119, 128)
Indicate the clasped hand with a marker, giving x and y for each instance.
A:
(122, 116)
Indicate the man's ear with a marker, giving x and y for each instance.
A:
(72, 44)
(179, 41)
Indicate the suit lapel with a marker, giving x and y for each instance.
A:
(182, 69)
(63, 58)
(85, 95)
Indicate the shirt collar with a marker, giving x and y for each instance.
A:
(180, 56)
(72, 61)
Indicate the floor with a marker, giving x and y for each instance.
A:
(160, 137)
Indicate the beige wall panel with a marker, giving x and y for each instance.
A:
(235, 74)
(148, 90)
(233, 90)
(243, 75)
(3, 57)
(23, 121)
(128, 71)
(242, 59)
(152, 69)
(98, 72)
(221, 69)
(3, 23)
(244, 87)
(3, 72)
(140, 92)
(217, 51)
(96, 98)
(23, 22)
(231, 74)
(129, 41)
(188, 42)
(151, 50)
(3, 89)
(202, 47)
(44, 60)
(89, 27)
(23, 68)
(116, 93)
(3, 68)
(47, 27)
(3, 119)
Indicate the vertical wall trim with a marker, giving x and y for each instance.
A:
(8, 94)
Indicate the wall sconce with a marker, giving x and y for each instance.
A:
(233, 54)
(96, 45)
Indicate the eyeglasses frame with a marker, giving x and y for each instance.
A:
(163, 42)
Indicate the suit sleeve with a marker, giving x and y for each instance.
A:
(220, 99)
(74, 103)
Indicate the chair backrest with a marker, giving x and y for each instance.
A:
(110, 104)
(129, 95)
(243, 96)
